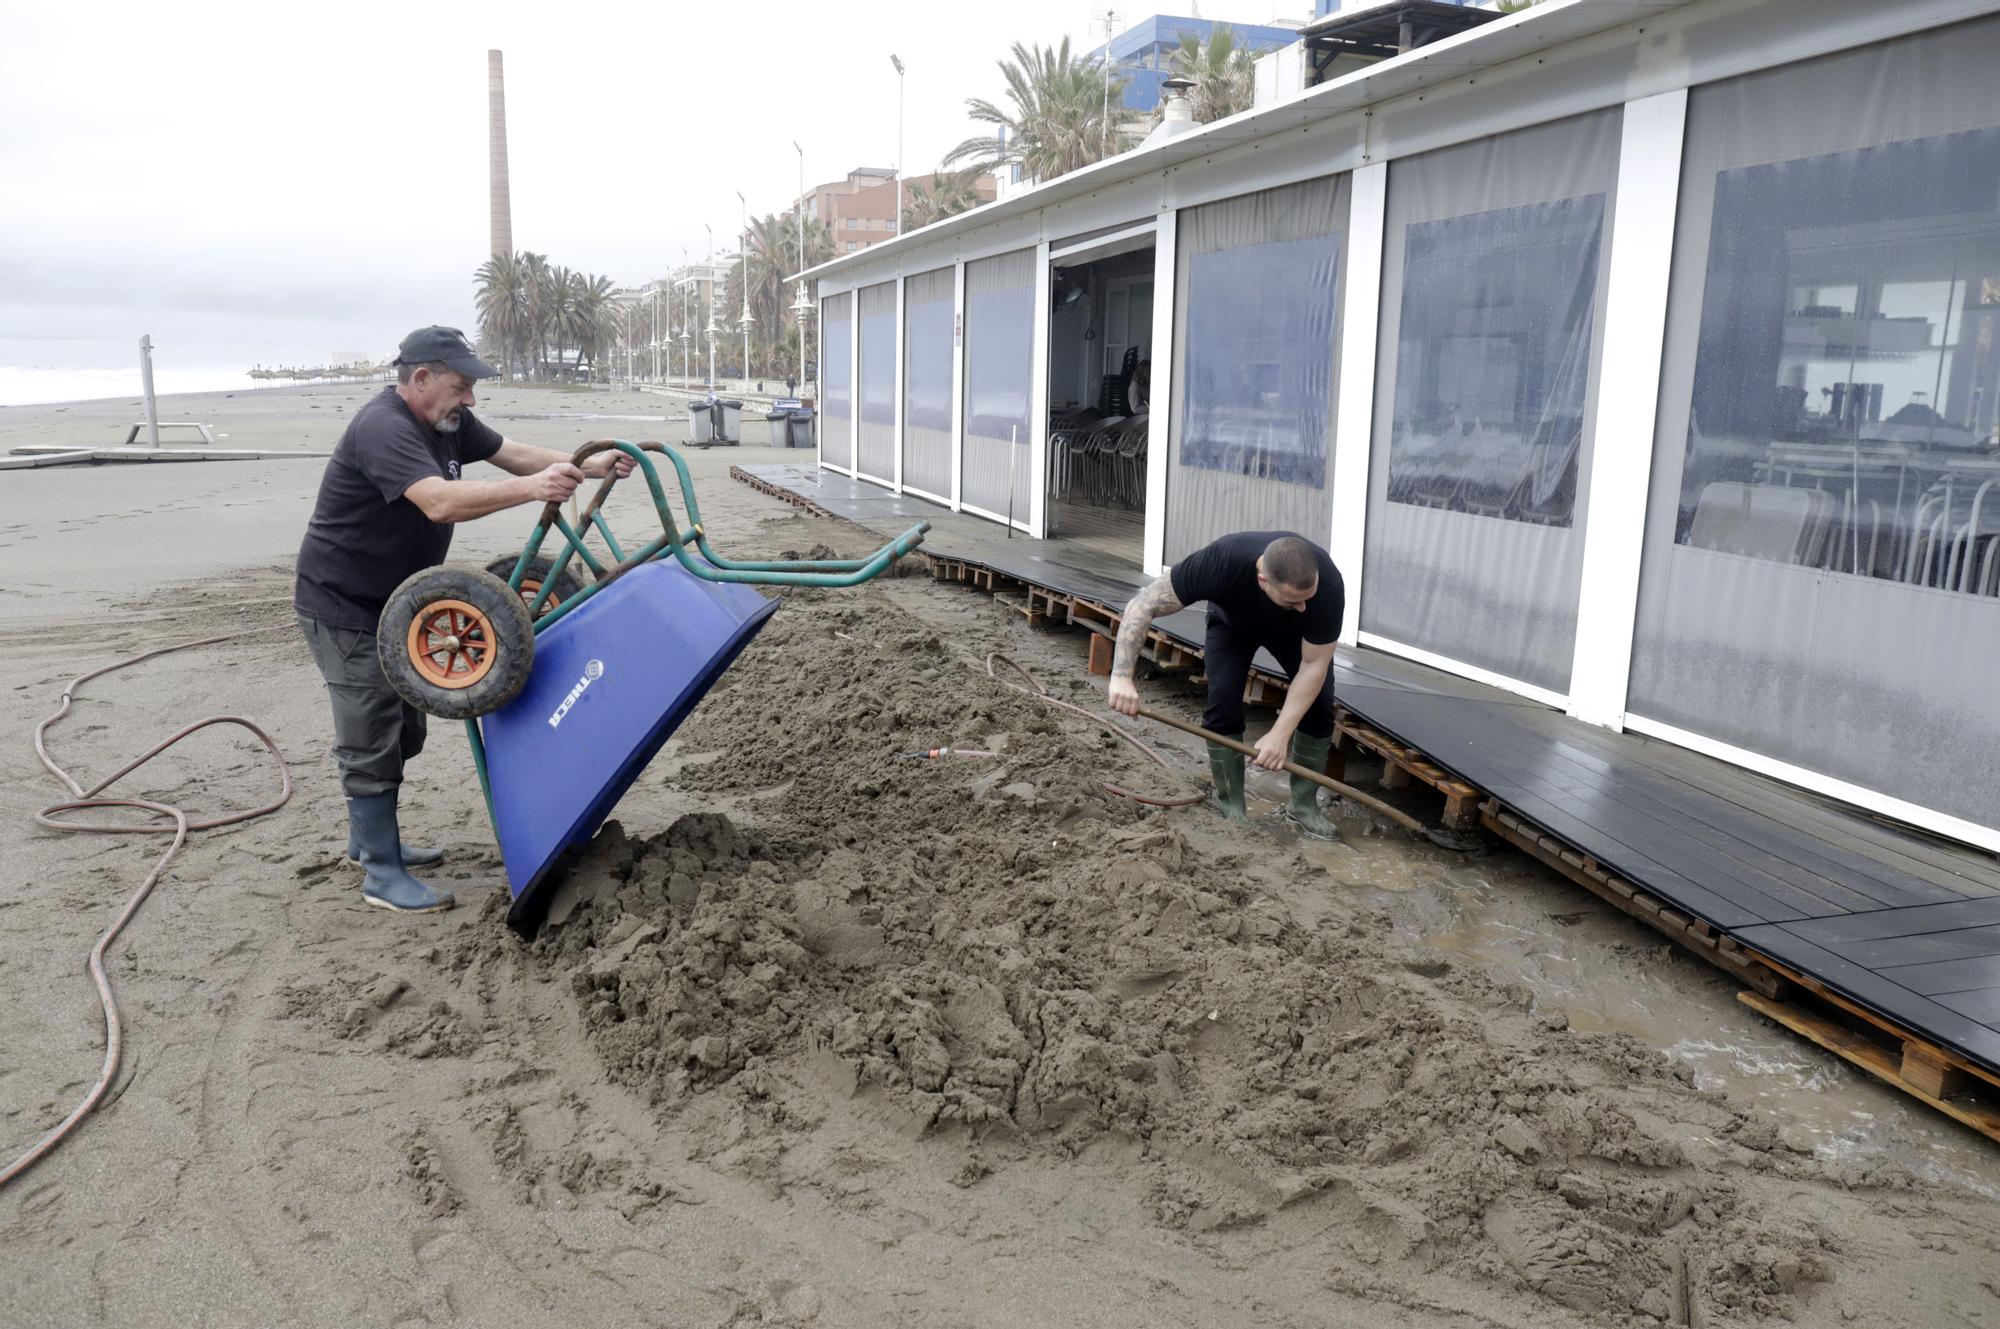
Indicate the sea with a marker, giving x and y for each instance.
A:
(27, 385)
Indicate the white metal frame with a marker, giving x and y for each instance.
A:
(898, 437)
(1166, 242)
(957, 386)
(1097, 242)
(1628, 390)
(1354, 416)
(1038, 402)
(854, 383)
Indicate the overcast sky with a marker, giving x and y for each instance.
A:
(275, 183)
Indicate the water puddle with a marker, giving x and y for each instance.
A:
(1609, 974)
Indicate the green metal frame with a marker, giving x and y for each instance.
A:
(710, 566)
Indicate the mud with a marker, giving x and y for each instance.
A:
(1000, 955)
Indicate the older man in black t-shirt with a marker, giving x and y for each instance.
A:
(391, 493)
(1271, 589)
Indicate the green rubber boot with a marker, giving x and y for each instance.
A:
(1225, 767)
(1303, 808)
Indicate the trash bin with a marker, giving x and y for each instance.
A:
(728, 420)
(802, 427)
(781, 426)
(701, 424)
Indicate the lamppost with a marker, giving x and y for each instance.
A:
(712, 329)
(656, 331)
(800, 309)
(801, 210)
(898, 227)
(687, 318)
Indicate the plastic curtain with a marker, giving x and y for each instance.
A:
(999, 380)
(836, 372)
(1492, 285)
(927, 351)
(1821, 579)
(1256, 321)
(877, 449)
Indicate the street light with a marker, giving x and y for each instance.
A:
(687, 317)
(803, 303)
(712, 329)
(800, 309)
(898, 227)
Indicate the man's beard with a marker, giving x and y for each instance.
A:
(447, 425)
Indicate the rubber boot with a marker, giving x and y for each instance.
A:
(1225, 767)
(413, 857)
(387, 883)
(1303, 808)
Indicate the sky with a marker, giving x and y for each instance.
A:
(274, 183)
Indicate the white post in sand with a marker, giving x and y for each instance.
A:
(146, 379)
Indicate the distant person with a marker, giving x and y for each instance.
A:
(791, 385)
(1264, 588)
(388, 500)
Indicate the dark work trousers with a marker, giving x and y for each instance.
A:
(374, 730)
(1227, 653)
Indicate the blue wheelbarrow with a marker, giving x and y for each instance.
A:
(568, 688)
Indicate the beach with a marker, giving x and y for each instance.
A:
(824, 1038)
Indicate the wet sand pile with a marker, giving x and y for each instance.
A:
(996, 953)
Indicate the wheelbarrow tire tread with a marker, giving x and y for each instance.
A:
(538, 573)
(513, 645)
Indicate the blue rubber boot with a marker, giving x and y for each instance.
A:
(387, 884)
(413, 857)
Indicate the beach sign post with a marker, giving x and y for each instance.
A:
(146, 380)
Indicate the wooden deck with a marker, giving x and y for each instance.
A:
(1879, 942)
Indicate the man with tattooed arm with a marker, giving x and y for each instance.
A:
(1264, 588)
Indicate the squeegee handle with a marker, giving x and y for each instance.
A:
(1397, 815)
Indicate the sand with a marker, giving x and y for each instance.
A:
(818, 1036)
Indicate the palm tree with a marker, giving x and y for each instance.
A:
(506, 320)
(1066, 114)
(592, 324)
(1225, 81)
(948, 194)
(773, 256)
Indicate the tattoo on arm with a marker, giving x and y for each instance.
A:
(1155, 600)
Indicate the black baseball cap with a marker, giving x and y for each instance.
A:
(447, 346)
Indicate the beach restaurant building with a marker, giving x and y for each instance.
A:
(1640, 357)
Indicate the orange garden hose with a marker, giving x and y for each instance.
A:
(175, 822)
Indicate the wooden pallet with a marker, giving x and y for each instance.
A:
(1401, 765)
(1926, 1073)
(799, 501)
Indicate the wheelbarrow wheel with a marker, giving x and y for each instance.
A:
(456, 642)
(531, 581)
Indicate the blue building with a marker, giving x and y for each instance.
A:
(1143, 53)
(1321, 8)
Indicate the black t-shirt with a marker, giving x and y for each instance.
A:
(365, 537)
(1225, 574)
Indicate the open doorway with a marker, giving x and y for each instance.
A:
(1100, 373)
